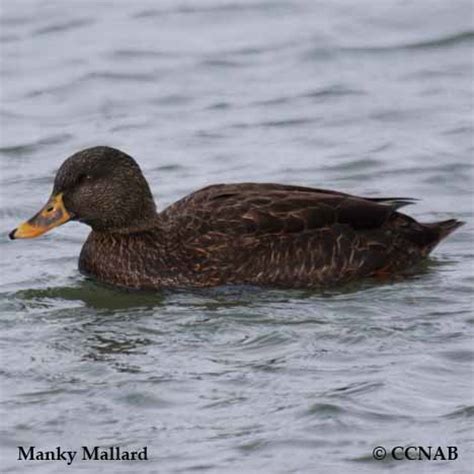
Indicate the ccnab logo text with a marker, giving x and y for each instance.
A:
(425, 453)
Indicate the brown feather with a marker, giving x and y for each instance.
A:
(264, 234)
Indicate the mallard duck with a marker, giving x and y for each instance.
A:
(247, 233)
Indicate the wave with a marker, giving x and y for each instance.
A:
(433, 43)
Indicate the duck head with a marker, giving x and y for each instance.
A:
(100, 186)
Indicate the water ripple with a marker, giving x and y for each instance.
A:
(63, 26)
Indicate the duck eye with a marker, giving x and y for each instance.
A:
(84, 177)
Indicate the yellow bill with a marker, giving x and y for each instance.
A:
(52, 215)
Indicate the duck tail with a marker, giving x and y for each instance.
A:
(435, 232)
(444, 228)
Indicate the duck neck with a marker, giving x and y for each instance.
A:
(144, 223)
(141, 221)
(138, 256)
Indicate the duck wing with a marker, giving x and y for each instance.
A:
(266, 208)
(292, 236)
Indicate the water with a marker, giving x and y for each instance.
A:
(366, 97)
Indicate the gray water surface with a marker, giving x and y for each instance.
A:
(372, 98)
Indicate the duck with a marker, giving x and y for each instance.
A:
(262, 234)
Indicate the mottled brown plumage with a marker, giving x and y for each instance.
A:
(247, 233)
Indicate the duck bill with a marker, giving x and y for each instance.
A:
(52, 215)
